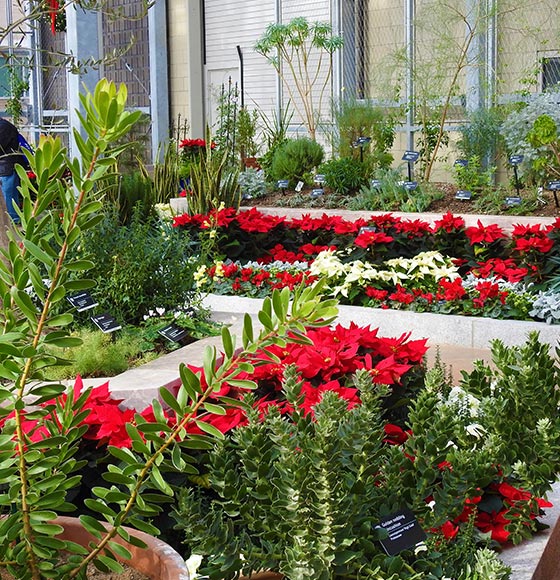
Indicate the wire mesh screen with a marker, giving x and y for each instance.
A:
(126, 51)
(126, 48)
(474, 51)
(53, 81)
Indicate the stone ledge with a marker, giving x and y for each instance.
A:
(466, 331)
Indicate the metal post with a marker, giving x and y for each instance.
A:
(410, 46)
(159, 82)
(491, 52)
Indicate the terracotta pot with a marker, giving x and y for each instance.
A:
(263, 576)
(157, 561)
(251, 163)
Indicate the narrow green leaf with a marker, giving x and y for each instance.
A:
(227, 342)
(214, 409)
(168, 398)
(120, 550)
(210, 429)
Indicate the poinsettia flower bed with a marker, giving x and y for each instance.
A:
(435, 436)
(384, 261)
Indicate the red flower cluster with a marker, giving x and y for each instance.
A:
(495, 522)
(194, 144)
(328, 363)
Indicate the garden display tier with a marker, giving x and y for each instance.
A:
(469, 332)
(441, 266)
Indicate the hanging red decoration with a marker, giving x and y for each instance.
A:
(53, 10)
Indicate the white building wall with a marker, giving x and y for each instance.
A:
(230, 23)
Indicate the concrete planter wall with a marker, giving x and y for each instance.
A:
(467, 331)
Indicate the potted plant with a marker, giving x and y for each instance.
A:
(43, 424)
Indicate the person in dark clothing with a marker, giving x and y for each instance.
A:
(10, 156)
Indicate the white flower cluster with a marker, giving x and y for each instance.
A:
(425, 266)
(276, 266)
(470, 281)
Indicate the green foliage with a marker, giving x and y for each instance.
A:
(139, 267)
(392, 196)
(295, 159)
(288, 47)
(214, 182)
(358, 119)
(225, 128)
(480, 136)
(492, 201)
(519, 124)
(299, 496)
(473, 177)
(129, 193)
(544, 136)
(431, 138)
(37, 477)
(246, 133)
(346, 175)
(275, 133)
(166, 174)
(524, 443)
(101, 355)
(18, 72)
(252, 184)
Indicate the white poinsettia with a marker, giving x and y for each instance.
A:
(327, 263)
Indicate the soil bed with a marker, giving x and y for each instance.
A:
(447, 202)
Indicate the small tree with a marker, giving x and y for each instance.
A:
(291, 49)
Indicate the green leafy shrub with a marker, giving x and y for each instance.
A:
(139, 267)
(346, 175)
(473, 177)
(391, 195)
(275, 132)
(519, 124)
(100, 355)
(252, 184)
(359, 119)
(295, 159)
(481, 137)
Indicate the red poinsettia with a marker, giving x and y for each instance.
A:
(484, 234)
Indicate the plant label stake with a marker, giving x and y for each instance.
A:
(463, 195)
(283, 185)
(106, 323)
(317, 193)
(411, 157)
(513, 200)
(461, 163)
(299, 186)
(174, 333)
(375, 184)
(361, 142)
(516, 160)
(319, 179)
(554, 186)
(403, 532)
(82, 301)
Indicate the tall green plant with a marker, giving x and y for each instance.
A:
(166, 175)
(356, 119)
(291, 49)
(214, 182)
(36, 477)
